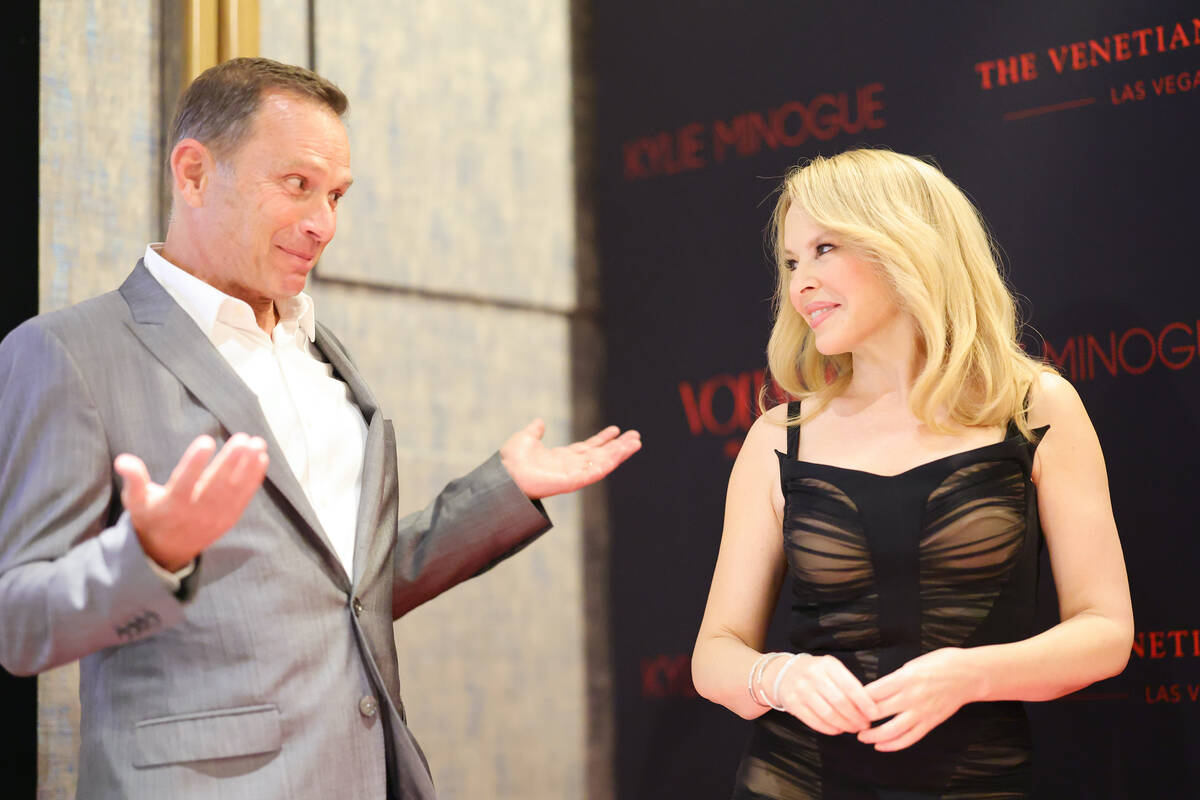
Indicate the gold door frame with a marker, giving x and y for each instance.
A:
(217, 30)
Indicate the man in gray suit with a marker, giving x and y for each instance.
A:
(233, 607)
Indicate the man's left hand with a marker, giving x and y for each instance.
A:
(541, 471)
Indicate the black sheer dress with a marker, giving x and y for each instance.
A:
(885, 568)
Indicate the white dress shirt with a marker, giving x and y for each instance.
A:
(311, 414)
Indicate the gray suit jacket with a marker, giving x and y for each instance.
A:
(279, 677)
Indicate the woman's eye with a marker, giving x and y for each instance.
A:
(823, 248)
(790, 265)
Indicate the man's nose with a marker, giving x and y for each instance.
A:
(321, 221)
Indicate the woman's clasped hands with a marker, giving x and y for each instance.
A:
(826, 696)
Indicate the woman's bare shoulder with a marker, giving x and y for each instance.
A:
(769, 431)
(1054, 401)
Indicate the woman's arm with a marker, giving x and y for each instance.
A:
(747, 577)
(1093, 640)
(745, 587)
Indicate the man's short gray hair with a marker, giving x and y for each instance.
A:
(218, 107)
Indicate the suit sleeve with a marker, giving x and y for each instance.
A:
(475, 522)
(72, 580)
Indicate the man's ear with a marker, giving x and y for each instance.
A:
(192, 165)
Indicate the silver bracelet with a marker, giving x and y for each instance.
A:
(754, 669)
(778, 680)
(750, 678)
(756, 674)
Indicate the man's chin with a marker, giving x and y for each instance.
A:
(294, 284)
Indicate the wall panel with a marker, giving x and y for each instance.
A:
(460, 128)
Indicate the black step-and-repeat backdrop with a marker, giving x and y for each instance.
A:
(1074, 127)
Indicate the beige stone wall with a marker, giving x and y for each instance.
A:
(492, 672)
(453, 283)
(460, 134)
(98, 205)
(99, 149)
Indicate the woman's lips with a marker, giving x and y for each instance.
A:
(818, 313)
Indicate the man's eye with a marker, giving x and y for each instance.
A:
(334, 197)
(296, 182)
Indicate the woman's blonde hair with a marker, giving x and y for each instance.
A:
(930, 244)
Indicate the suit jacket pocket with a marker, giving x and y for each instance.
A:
(222, 733)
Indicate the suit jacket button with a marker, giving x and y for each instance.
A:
(357, 606)
(367, 706)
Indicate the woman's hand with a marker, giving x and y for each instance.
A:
(822, 693)
(921, 695)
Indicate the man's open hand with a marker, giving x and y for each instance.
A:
(200, 502)
(541, 471)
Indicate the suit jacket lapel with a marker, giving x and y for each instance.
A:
(344, 368)
(172, 337)
(377, 501)
(377, 504)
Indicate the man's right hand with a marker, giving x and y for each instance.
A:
(200, 502)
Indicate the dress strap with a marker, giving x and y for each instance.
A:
(1012, 430)
(793, 431)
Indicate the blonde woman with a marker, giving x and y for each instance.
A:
(908, 491)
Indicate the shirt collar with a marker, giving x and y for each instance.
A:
(299, 311)
(208, 305)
